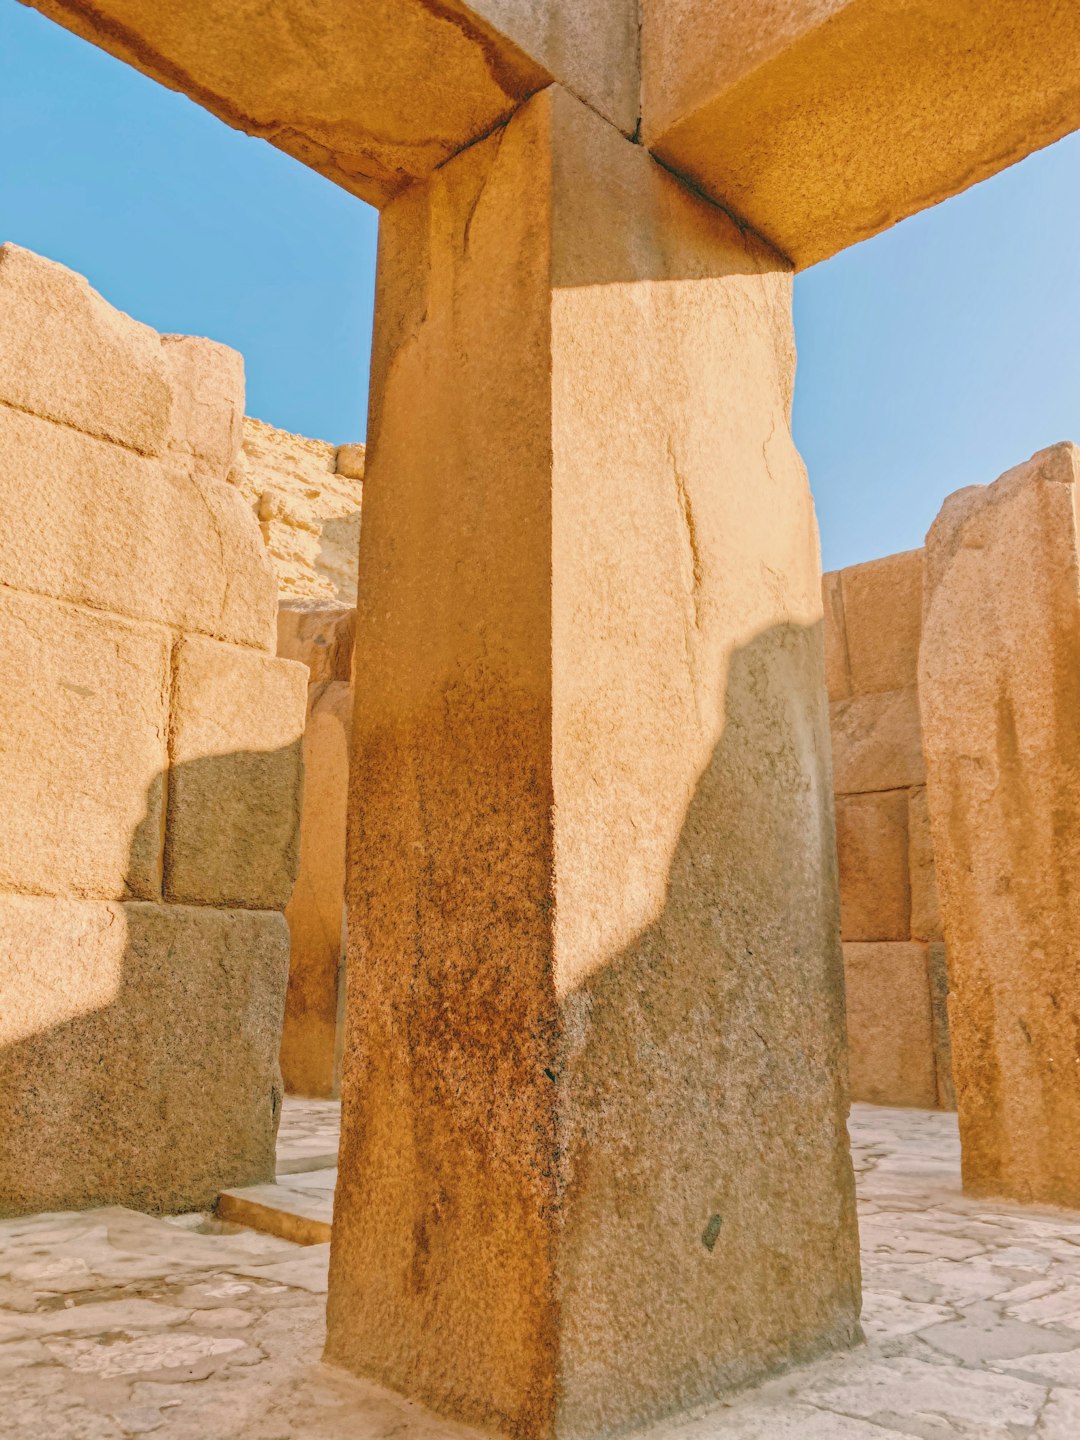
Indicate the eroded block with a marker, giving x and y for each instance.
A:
(233, 820)
(925, 906)
(877, 742)
(872, 847)
(208, 402)
(883, 619)
(320, 635)
(890, 1031)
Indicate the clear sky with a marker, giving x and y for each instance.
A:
(934, 356)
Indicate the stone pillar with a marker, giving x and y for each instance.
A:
(594, 1164)
(999, 689)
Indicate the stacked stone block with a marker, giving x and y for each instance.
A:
(150, 776)
(894, 956)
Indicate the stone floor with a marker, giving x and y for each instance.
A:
(114, 1324)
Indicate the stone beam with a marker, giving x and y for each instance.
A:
(822, 122)
(371, 95)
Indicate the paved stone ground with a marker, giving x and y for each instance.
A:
(114, 1324)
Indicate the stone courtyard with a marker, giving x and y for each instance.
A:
(114, 1323)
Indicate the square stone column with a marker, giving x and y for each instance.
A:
(999, 690)
(594, 1164)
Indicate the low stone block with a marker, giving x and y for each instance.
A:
(138, 1052)
(890, 1038)
(837, 674)
(233, 818)
(320, 635)
(351, 460)
(208, 402)
(872, 846)
(309, 1042)
(883, 619)
(925, 907)
(877, 742)
(82, 736)
(65, 353)
(93, 523)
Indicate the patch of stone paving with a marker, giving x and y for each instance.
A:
(308, 1134)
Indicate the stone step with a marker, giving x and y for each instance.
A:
(297, 1207)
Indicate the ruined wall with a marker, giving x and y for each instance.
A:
(150, 786)
(894, 958)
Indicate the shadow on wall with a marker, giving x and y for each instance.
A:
(139, 1038)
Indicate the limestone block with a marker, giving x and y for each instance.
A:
(890, 1032)
(877, 742)
(939, 1010)
(883, 617)
(822, 122)
(593, 1160)
(872, 847)
(82, 735)
(925, 907)
(233, 819)
(837, 669)
(999, 686)
(90, 522)
(208, 402)
(65, 353)
(309, 1041)
(138, 1052)
(350, 461)
(318, 635)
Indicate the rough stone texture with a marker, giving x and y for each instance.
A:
(308, 510)
(138, 1060)
(319, 636)
(82, 735)
(98, 525)
(837, 666)
(208, 402)
(350, 461)
(593, 1162)
(999, 686)
(872, 848)
(67, 354)
(939, 1009)
(883, 622)
(890, 1036)
(310, 1058)
(877, 742)
(925, 907)
(233, 818)
(822, 122)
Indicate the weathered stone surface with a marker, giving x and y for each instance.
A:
(883, 620)
(90, 522)
(138, 1052)
(308, 511)
(65, 353)
(890, 1039)
(593, 1165)
(208, 402)
(310, 1059)
(1000, 692)
(351, 460)
(233, 818)
(837, 669)
(925, 907)
(822, 122)
(82, 735)
(938, 971)
(877, 742)
(872, 848)
(318, 635)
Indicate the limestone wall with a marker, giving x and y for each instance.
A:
(150, 784)
(894, 957)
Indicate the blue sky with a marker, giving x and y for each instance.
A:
(934, 356)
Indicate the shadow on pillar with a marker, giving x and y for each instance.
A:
(160, 1086)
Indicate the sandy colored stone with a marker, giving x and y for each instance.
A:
(93, 523)
(138, 1061)
(593, 1163)
(938, 971)
(872, 847)
(883, 619)
(925, 907)
(318, 635)
(82, 735)
(1000, 692)
(350, 461)
(837, 669)
(208, 402)
(877, 742)
(310, 1058)
(890, 1036)
(233, 819)
(308, 511)
(65, 353)
(822, 122)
